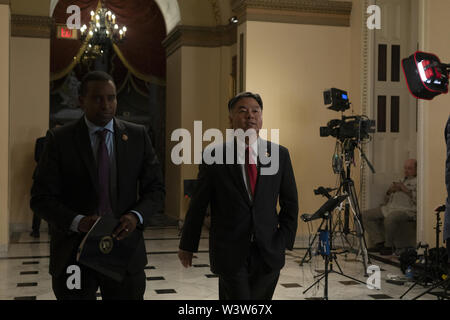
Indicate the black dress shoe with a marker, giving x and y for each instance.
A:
(35, 234)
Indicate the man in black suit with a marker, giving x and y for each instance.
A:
(446, 233)
(248, 237)
(97, 166)
(38, 149)
(36, 224)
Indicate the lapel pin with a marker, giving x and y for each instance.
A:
(124, 137)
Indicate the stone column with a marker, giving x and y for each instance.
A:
(5, 17)
(29, 113)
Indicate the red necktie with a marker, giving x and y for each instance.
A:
(251, 169)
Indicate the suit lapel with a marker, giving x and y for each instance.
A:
(236, 174)
(83, 143)
(264, 150)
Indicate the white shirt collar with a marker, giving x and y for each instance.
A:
(94, 128)
(241, 146)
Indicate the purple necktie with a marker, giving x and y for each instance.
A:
(104, 204)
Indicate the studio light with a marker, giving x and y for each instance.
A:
(425, 75)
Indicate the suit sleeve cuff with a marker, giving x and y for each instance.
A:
(141, 220)
(76, 222)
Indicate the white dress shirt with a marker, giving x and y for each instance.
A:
(253, 156)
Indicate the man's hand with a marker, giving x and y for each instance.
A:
(86, 223)
(396, 186)
(403, 188)
(185, 258)
(391, 189)
(127, 225)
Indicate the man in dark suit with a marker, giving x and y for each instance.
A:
(36, 224)
(446, 233)
(97, 166)
(248, 237)
(38, 149)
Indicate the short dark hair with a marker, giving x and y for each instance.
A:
(241, 95)
(93, 76)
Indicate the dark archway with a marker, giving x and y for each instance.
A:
(138, 66)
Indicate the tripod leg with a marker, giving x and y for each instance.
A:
(315, 282)
(339, 267)
(430, 289)
(308, 251)
(339, 225)
(410, 288)
(325, 290)
(359, 226)
(327, 243)
(342, 274)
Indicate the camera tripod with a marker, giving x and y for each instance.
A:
(352, 205)
(329, 254)
(347, 186)
(436, 271)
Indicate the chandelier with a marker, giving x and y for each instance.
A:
(101, 32)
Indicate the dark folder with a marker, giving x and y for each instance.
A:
(99, 251)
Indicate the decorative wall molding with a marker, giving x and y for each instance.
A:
(5, 2)
(193, 36)
(216, 11)
(365, 100)
(316, 12)
(31, 26)
(368, 56)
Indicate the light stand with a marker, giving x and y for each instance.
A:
(445, 282)
(347, 187)
(324, 192)
(305, 218)
(311, 244)
(329, 255)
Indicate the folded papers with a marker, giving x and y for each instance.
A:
(104, 254)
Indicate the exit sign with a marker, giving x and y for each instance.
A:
(62, 32)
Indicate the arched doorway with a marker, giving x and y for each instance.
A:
(169, 9)
(391, 105)
(138, 66)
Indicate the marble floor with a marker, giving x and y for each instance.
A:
(24, 273)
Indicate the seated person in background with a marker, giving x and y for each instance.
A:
(383, 224)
